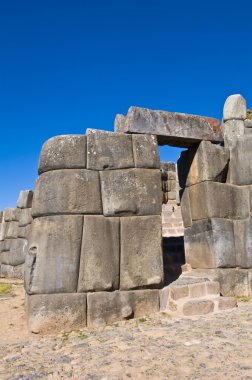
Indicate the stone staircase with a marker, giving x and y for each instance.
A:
(191, 296)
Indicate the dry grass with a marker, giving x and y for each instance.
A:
(6, 288)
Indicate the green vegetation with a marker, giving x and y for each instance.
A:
(6, 288)
(249, 114)
(242, 298)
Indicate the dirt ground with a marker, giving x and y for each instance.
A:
(217, 346)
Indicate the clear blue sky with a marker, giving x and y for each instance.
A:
(68, 65)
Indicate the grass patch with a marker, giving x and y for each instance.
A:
(6, 288)
(249, 114)
(242, 298)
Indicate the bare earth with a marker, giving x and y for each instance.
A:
(218, 346)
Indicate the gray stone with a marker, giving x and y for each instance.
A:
(243, 242)
(145, 151)
(11, 214)
(171, 128)
(1, 216)
(52, 262)
(24, 232)
(227, 303)
(233, 282)
(248, 123)
(131, 192)
(241, 161)
(72, 191)
(232, 130)
(25, 199)
(207, 162)
(25, 217)
(55, 312)
(109, 307)
(108, 150)
(16, 254)
(198, 307)
(186, 207)
(99, 262)
(235, 108)
(63, 152)
(10, 271)
(219, 200)
(141, 248)
(11, 230)
(210, 243)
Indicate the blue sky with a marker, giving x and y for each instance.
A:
(68, 65)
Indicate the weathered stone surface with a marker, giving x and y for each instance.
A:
(171, 128)
(164, 295)
(25, 217)
(177, 292)
(108, 150)
(213, 287)
(24, 232)
(108, 307)
(100, 254)
(198, 307)
(197, 290)
(55, 312)
(1, 216)
(52, 262)
(141, 248)
(235, 108)
(241, 161)
(16, 254)
(207, 162)
(10, 271)
(210, 243)
(72, 191)
(248, 123)
(218, 200)
(63, 152)
(145, 151)
(185, 207)
(227, 303)
(11, 214)
(131, 192)
(243, 242)
(25, 199)
(232, 130)
(11, 230)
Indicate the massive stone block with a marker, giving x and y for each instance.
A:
(186, 207)
(171, 128)
(63, 152)
(219, 200)
(24, 232)
(100, 254)
(145, 150)
(207, 162)
(16, 254)
(232, 130)
(141, 252)
(210, 243)
(25, 199)
(235, 108)
(11, 214)
(109, 307)
(25, 217)
(11, 230)
(131, 192)
(55, 312)
(52, 262)
(10, 271)
(241, 161)
(243, 242)
(107, 150)
(72, 191)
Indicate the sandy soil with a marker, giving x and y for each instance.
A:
(217, 346)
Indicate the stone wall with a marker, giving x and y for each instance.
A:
(15, 226)
(95, 248)
(216, 184)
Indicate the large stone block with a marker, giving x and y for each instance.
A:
(63, 152)
(185, 207)
(235, 108)
(219, 200)
(240, 168)
(24, 232)
(11, 214)
(109, 307)
(232, 130)
(52, 262)
(141, 252)
(145, 150)
(16, 254)
(10, 271)
(72, 191)
(234, 282)
(100, 254)
(210, 243)
(243, 242)
(11, 230)
(131, 192)
(207, 162)
(108, 150)
(55, 312)
(25, 199)
(171, 128)
(25, 217)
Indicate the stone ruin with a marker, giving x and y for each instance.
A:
(15, 225)
(96, 252)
